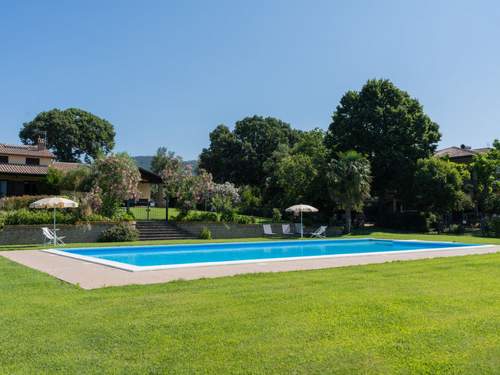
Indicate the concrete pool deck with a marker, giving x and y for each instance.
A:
(91, 275)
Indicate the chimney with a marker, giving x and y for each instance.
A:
(41, 144)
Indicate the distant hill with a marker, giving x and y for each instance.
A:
(145, 162)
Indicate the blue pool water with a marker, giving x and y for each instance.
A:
(170, 255)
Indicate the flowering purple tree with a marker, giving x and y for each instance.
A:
(224, 196)
(117, 177)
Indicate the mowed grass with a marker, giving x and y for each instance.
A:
(437, 316)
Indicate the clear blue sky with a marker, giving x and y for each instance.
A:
(167, 72)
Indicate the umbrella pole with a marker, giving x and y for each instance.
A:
(55, 233)
(301, 226)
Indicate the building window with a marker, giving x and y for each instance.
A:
(3, 188)
(4, 159)
(32, 161)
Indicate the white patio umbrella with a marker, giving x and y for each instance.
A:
(54, 202)
(301, 208)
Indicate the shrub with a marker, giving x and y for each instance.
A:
(228, 216)
(457, 229)
(119, 233)
(31, 217)
(276, 215)
(244, 219)
(18, 202)
(205, 234)
(410, 220)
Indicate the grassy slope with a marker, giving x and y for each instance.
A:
(432, 316)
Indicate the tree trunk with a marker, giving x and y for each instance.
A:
(348, 220)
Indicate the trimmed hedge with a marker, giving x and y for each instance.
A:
(30, 217)
(411, 221)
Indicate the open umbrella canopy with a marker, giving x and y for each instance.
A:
(54, 202)
(301, 208)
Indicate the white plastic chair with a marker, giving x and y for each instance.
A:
(268, 230)
(320, 232)
(298, 228)
(287, 230)
(51, 238)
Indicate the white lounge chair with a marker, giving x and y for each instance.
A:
(268, 230)
(320, 232)
(51, 237)
(287, 230)
(298, 228)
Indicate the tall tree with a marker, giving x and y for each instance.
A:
(72, 134)
(239, 156)
(349, 179)
(438, 186)
(485, 171)
(390, 128)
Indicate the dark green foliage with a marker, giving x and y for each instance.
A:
(239, 156)
(228, 216)
(205, 234)
(409, 221)
(119, 233)
(390, 128)
(349, 178)
(71, 134)
(276, 215)
(438, 186)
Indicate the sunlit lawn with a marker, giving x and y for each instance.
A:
(436, 316)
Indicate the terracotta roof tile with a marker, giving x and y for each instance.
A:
(38, 170)
(25, 150)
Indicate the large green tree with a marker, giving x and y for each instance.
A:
(72, 134)
(485, 171)
(390, 128)
(349, 179)
(294, 174)
(438, 186)
(239, 155)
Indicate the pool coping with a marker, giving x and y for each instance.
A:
(134, 268)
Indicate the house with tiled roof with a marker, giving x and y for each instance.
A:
(461, 154)
(23, 168)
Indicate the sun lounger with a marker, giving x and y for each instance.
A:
(320, 232)
(268, 230)
(287, 230)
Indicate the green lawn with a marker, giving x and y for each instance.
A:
(158, 213)
(431, 316)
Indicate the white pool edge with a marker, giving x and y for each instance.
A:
(132, 268)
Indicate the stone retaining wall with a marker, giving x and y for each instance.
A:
(224, 230)
(32, 234)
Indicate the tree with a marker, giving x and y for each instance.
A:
(71, 134)
(390, 128)
(117, 178)
(438, 186)
(295, 175)
(485, 171)
(349, 179)
(239, 156)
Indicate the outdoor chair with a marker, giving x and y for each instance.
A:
(49, 237)
(268, 230)
(320, 232)
(298, 228)
(287, 230)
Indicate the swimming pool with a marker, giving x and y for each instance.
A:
(144, 258)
